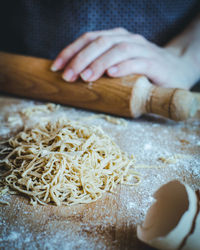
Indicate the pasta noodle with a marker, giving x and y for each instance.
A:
(108, 118)
(40, 109)
(65, 162)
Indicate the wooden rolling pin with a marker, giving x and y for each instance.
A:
(129, 96)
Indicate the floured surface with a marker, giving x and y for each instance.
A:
(166, 150)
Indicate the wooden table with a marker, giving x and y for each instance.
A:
(164, 150)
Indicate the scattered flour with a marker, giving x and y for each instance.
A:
(100, 226)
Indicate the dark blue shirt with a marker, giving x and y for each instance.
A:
(44, 27)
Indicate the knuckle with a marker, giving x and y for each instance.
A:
(76, 63)
(77, 60)
(120, 29)
(101, 40)
(138, 37)
(87, 35)
(124, 46)
(97, 66)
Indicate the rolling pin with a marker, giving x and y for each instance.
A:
(129, 96)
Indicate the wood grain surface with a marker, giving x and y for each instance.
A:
(109, 223)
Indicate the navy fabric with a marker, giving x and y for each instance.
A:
(44, 27)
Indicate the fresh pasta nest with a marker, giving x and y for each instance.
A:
(64, 162)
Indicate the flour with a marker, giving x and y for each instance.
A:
(147, 146)
(148, 139)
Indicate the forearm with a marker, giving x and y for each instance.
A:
(187, 46)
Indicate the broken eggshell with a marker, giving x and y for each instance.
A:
(169, 220)
(193, 240)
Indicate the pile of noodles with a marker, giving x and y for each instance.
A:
(64, 162)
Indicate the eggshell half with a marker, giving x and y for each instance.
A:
(193, 240)
(170, 218)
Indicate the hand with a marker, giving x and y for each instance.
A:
(118, 52)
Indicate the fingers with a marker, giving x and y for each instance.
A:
(143, 66)
(97, 54)
(132, 66)
(117, 54)
(67, 53)
(94, 53)
(88, 54)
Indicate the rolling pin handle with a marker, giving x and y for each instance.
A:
(175, 104)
